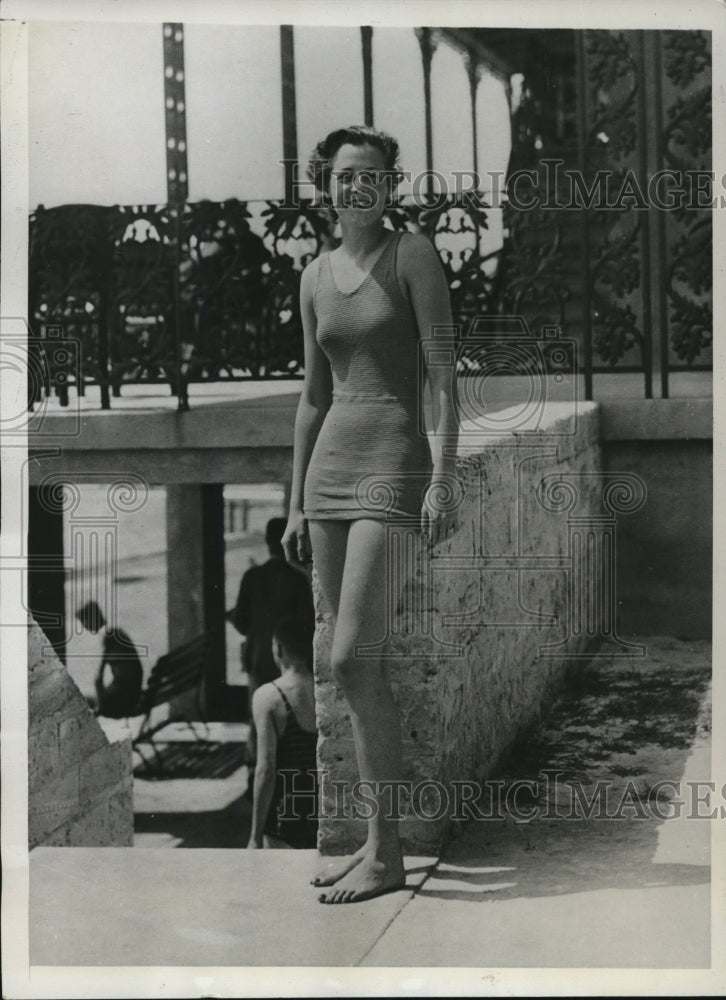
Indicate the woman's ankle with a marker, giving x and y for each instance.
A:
(385, 843)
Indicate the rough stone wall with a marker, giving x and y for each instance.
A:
(80, 786)
(460, 713)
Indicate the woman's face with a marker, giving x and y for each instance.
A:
(358, 181)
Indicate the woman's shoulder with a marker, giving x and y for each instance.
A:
(309, 276)
(417, 258)
(417, 249)
(312, 268)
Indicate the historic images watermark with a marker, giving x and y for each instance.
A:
(490, 347)
(31, 367)
(34, 368)
(90, 562)
(551, 185)
(548, 797)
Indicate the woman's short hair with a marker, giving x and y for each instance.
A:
(295, 635)
(323, 155)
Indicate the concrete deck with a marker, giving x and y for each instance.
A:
(622, 891)
(139, 906)
(508, 905)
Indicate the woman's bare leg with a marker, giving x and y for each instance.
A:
(329, 540)
(366, 593)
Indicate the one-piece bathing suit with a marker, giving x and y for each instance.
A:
(371, 457)
(293, 815)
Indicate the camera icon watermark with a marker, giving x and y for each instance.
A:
(503, 376)
(32, 369)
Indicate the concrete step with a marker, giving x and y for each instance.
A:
(160, 907)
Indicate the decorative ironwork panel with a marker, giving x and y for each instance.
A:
(210, 291)
(592, 250)
(686, 146)
(240, 288)
(618, 320)
(67, 285)
(645, 108)
(141, 306)
(539, 279)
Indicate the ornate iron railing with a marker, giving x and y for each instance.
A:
(206, 292)
(645, 108)
(603, 252)
(209, 291)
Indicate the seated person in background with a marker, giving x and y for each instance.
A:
(120, 697)
(284, 812)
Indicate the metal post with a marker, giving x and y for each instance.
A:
(213, 600)
(646, 140)
(584, 221)
(177, 183)
(654, 60)
(366, 34)
(427, 45)
(105, 322)
(289, 114)
(472, 69)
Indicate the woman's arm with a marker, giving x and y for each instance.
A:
(314, 403)
(266, 767)
(428, 290)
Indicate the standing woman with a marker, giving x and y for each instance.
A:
(364, 308)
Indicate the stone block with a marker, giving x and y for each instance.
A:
(52, 803)
(49, 695)
(43, 763)
(92, 828)
(105, 770)
(73, 771)
(80, 736)
(121, 817)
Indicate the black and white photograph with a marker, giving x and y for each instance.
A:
(357, 388)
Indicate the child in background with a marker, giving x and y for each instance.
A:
(285, 784)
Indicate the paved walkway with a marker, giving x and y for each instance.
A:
(524, 888)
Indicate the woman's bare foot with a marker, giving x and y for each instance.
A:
(336, 868)
(376, 873)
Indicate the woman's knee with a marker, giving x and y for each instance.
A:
(351, 673)
(343, 670)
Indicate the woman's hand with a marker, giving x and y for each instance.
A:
(295, 541)
(438, 514)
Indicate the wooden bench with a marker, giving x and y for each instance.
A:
(178, 672)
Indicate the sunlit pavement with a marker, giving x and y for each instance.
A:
(533, 888)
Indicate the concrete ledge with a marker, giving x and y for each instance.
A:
(250, 439)
(266, 420)
(165, 466)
